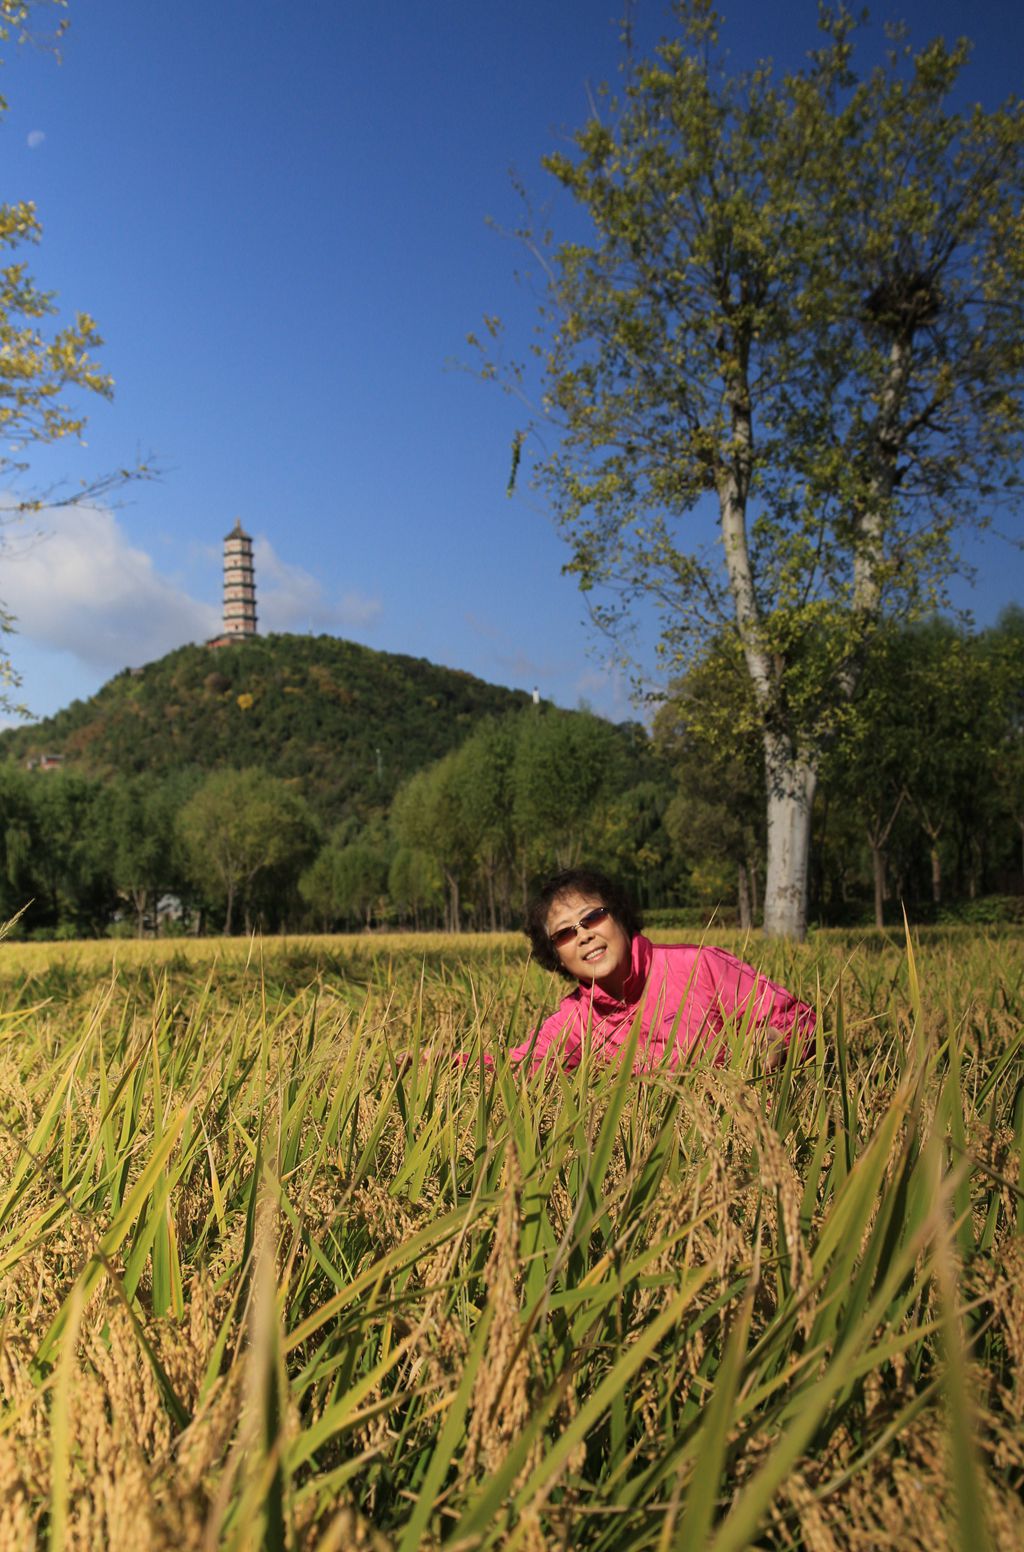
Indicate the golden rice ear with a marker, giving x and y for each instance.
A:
(322, 1303)
(6, 927)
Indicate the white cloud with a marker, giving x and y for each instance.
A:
(288, 598)
(76, 584)
(81, 587)
(35, 138)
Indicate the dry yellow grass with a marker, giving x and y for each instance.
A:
(95, 954)
(260, 1287)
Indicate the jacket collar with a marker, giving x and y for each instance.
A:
(641, 951)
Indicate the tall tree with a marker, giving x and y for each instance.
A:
(482, 785)
(567, 765)
(428, 816)
(68, 867)
(802, 297)
(520, 796)
(867, 765)
(948, 773)
(902, 759)
(243, 825)
(20, 845)
(348, 879)
(415, 885)
(143, 861)
(630, 839)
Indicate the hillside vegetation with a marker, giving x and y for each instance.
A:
(345, 722)
(302, 784)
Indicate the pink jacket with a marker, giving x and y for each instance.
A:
(686, 994)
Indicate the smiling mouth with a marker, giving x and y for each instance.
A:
(594, 953)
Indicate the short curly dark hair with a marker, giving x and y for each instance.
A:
(583, 880)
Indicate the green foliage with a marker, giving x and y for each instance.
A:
(564, 766)
(246, 834)
(629, 834)
(55, 846)
(416, 886)
(706, 731)
(803, 298)
(346, 723)
(1006, 645)
(38, 370)
(347, 882)
(985, 911)
(920, 796)
(145, 857)
(344, 726)
(927, 765)
(532, 793)
(18, 18)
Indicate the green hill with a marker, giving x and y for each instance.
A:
(345, 723)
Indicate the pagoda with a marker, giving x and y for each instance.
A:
(239, 588)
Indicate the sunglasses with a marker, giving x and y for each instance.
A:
(591, 918)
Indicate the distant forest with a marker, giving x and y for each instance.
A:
(300, 784)
(345, 724)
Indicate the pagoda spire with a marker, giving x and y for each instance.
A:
(239, 584)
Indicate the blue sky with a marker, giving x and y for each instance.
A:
(278, 216)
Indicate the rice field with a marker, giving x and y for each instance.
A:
(272, 1278)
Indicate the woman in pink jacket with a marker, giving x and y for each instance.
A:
(582, 925)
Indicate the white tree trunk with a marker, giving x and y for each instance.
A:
(791, 781)
(791, 776)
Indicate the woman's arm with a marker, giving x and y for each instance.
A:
(739, 988)
(555, 1043)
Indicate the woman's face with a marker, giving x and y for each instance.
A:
(600, 952)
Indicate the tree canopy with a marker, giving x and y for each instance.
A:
(918, 804)
(244, 828)
(348, 723)
(802, 297)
